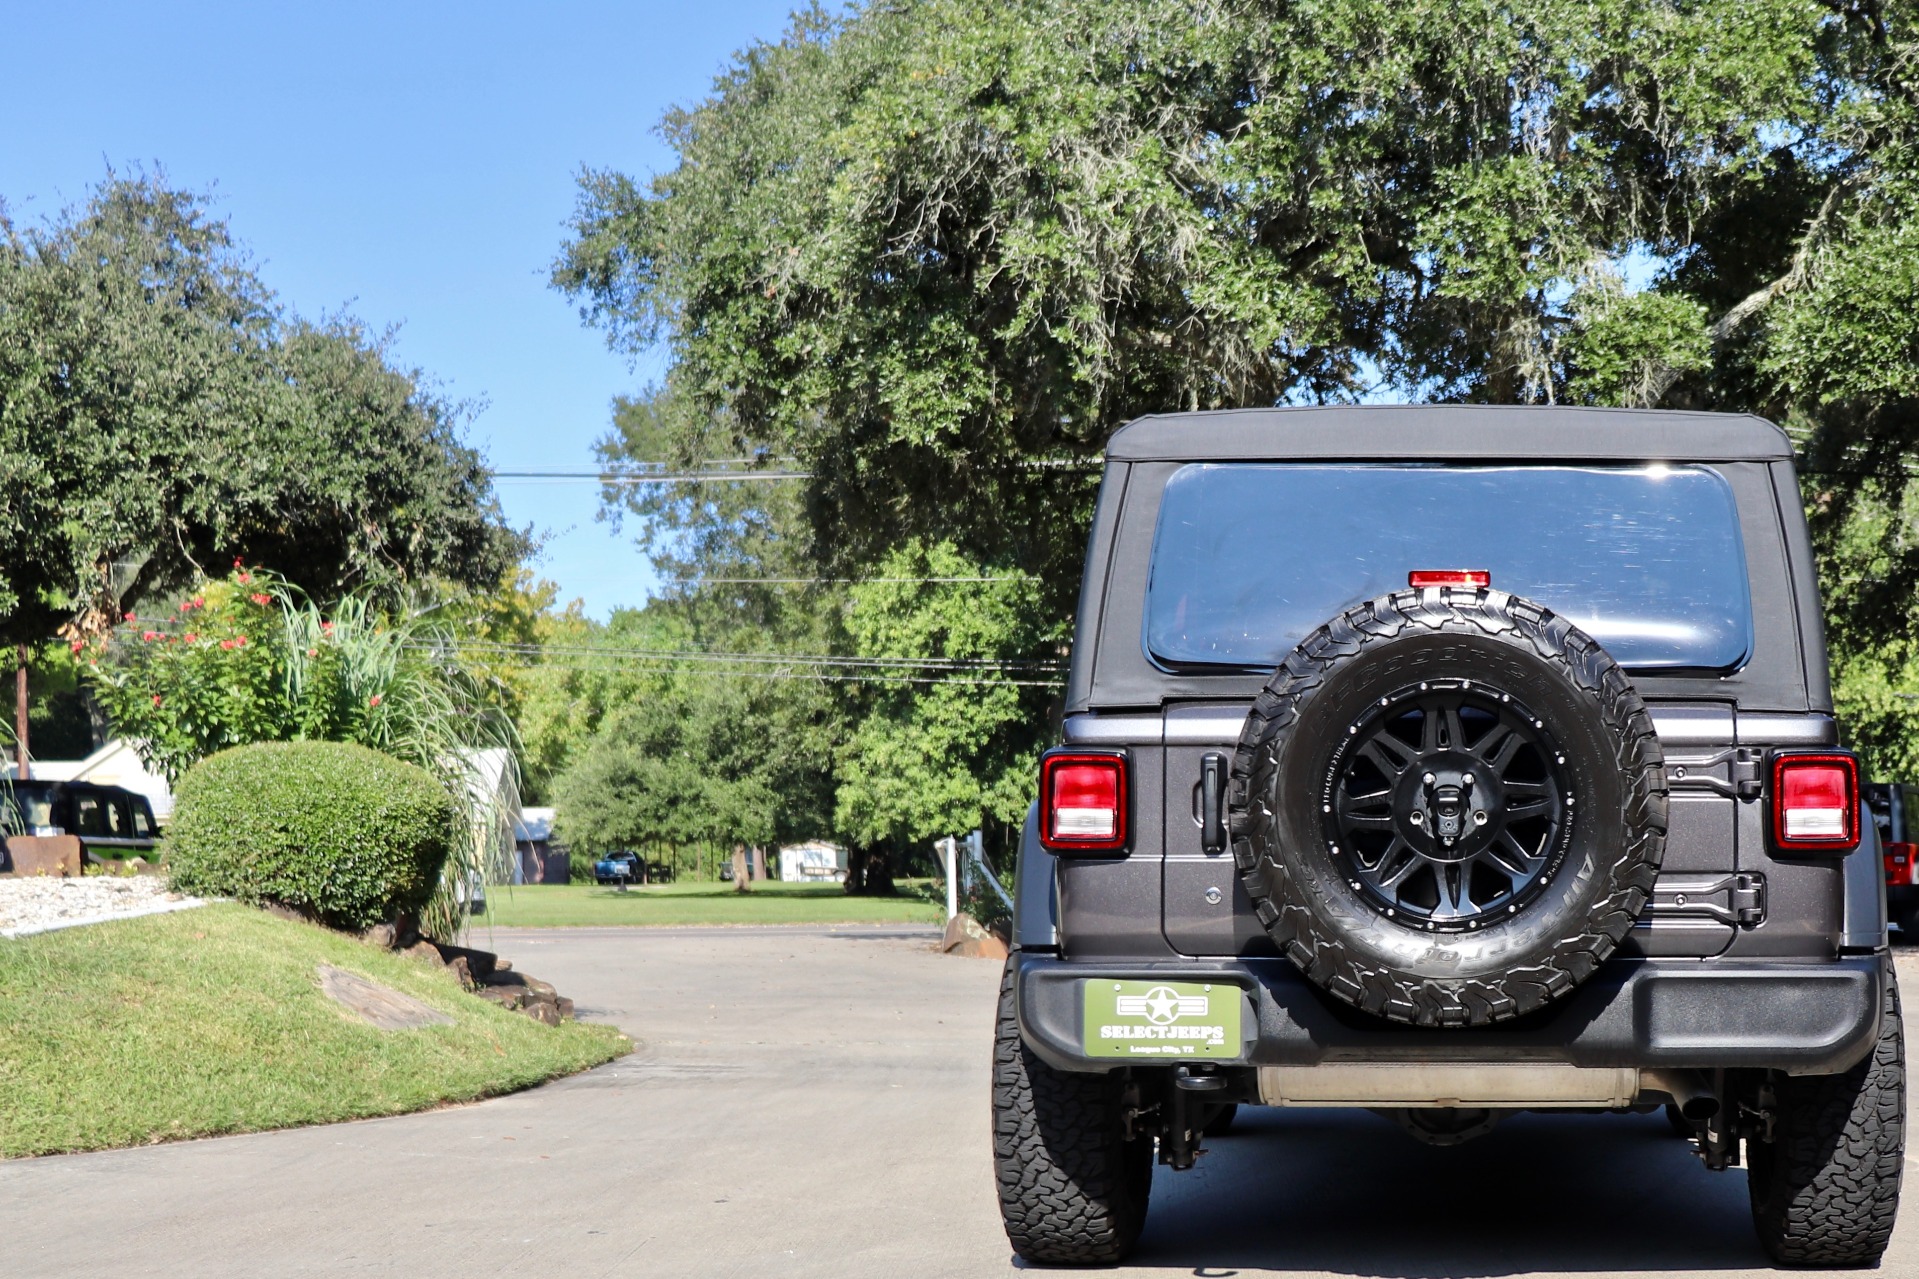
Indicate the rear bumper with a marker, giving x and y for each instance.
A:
(1802, 1017)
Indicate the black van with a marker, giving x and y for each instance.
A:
(113, 823)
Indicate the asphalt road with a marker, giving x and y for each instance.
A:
(813, 1102)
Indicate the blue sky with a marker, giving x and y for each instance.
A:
(412, 163)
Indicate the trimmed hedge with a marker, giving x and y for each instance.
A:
(338, 832)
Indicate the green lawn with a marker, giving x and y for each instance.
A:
(574, 905)
(212, 1021)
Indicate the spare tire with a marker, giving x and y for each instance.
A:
(1448, 806)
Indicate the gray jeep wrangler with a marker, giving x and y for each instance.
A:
(1448, 761)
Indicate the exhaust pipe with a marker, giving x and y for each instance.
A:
(1688, 1092)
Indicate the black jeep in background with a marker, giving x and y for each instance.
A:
(1448, 761)
(113, 823)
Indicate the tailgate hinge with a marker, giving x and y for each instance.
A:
(1749, 899)
(1734, 899)
(1743, 778)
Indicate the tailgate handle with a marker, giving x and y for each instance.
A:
(1212, 803)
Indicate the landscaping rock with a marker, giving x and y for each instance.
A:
(380, 1006)
(478, 962)
(507, 998)
(969, 939)
(493, 979)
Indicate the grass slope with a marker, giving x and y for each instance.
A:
(212, 1021)
(575, 905)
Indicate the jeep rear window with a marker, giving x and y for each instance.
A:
(1250, 558)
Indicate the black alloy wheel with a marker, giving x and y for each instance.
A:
(1449, 805)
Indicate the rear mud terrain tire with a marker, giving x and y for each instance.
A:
(1475, 715)
(1825, 1190)
(1072, 1189)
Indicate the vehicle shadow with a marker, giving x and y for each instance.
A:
(1347, 1193)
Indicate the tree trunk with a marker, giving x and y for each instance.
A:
(869, 871)
(759, 862)
(20, 753)
(740, 871)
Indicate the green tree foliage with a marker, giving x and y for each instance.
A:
(950, 745)
(667, 744)
(927, 251)
(927, 245)
(160, 412)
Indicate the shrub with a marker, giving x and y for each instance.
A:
(338, 832)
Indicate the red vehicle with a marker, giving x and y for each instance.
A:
(1893, 806)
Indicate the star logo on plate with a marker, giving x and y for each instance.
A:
(1162, 1005)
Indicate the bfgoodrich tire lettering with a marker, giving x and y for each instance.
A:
(1072, 1189)
(1517, 945)
(1825, 1189)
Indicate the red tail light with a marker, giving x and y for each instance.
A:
(1449, 577)
(1902, 864)
(1082, 801)
(1815, 802)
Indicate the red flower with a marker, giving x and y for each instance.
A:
(373, 700)
(245, 578)
(238, 561)
(261, 599)
(130, 617)
(313, 652)
(156, 699)
(228, 644)
(147, 637)
(191, 637)
(240, 642)
(77, 646)
(327, 627)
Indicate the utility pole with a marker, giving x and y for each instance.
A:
(20, 717)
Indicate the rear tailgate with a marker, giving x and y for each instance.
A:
(1205, 910)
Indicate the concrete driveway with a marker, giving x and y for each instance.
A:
(813, 1102)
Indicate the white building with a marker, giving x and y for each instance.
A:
(815, 861)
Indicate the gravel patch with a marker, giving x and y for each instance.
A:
(43, 903)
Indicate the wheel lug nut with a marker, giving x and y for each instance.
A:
(1480, 818)
(1418, 818)
(1429, 779)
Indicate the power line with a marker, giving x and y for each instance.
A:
(640, 476)
(718, 657)
(820, 676)
(617, 478)
(853, 581)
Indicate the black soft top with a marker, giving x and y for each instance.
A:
(1450, 432)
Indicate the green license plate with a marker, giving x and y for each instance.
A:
(1161, 1019)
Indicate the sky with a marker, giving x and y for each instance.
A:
(412, 164)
